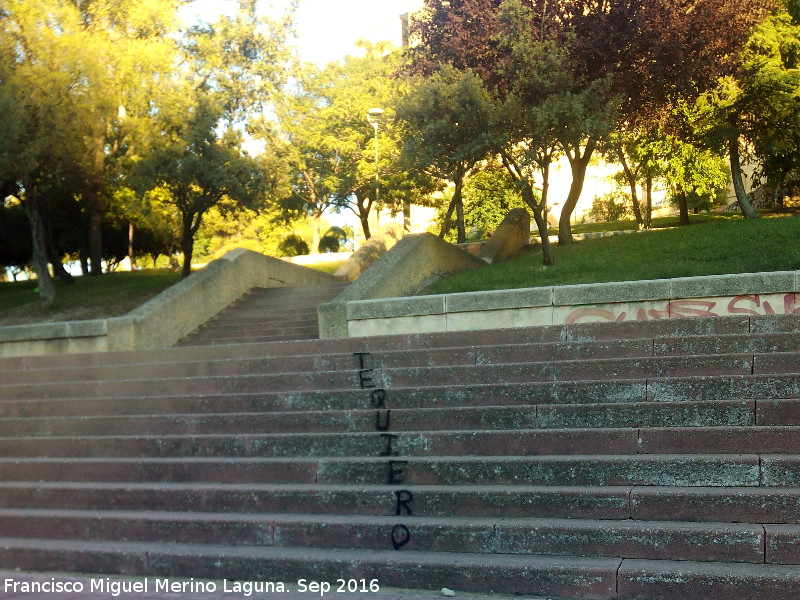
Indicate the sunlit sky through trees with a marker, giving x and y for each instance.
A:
(327, 29)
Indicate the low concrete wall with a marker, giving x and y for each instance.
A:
(717, 295)
(168, 317)
(405, 269)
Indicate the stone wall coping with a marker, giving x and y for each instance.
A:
(54, 330)
(708, 286)
(169, 316)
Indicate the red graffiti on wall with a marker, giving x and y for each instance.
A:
(745, 304)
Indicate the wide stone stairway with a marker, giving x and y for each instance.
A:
(656, 460)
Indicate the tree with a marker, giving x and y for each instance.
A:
(761, 104)
(643, 54)
(694, 175)
(611, 207)
(199, 168)
(352, 88)
(40, 131)
(71, 72)
(128, 52)
(301, 138)
(323, 135)
(489, 194)
(448, 116)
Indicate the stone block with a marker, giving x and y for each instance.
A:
(398, 325)
(332, 317)
(499, 299)
(611, 292)
(396, 307)
(667, 580)
(783, 544)
(500, 319)
(723, 306)
(511, 235)
(94, 328)
(711, 286)
(39, 331)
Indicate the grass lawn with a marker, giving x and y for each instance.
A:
(708, 247)
(112, 294)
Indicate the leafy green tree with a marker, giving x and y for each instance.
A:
(489, 193)
(301, 139)
(448, 116)
(200, 168)
(637, 57)
(762, 105)
(322, 134)
(613, 206)
(293, 245)
(696, 176)
(70, 73)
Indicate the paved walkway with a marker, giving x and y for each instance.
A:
(57, 586)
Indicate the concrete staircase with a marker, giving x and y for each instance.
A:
(267, 315)
(647, 461)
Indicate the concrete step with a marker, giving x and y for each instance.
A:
(706, 542)
(783, 390)
(764, 505)
(255, 337)
(555, 577)
(507, 354)
(462, 443)
(529, 575)
(262, 320)
(667, 580)
(677, 328)
(418, 357)
(94, 420)
(572, 370)
(657, 460)
(581, 332)
(708, 470)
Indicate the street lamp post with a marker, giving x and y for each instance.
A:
(373, 117)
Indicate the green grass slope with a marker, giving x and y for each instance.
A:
(707, 248)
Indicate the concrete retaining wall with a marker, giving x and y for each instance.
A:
(168, 317)
(716, 295)
(402, 271)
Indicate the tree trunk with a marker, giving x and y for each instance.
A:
(541, 223)
(738, 183)
(447, 217)
(537, 208)
(52, 255)
(578, 163)
(95, 238)
(683, 207)
(131, 257)
(95, 203)
(648, 217)
(47, 292)
(459, 204)
(364, 207)
(316, 219)
(187, 245)
(632, 184)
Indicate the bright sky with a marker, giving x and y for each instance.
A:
(328, 29)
